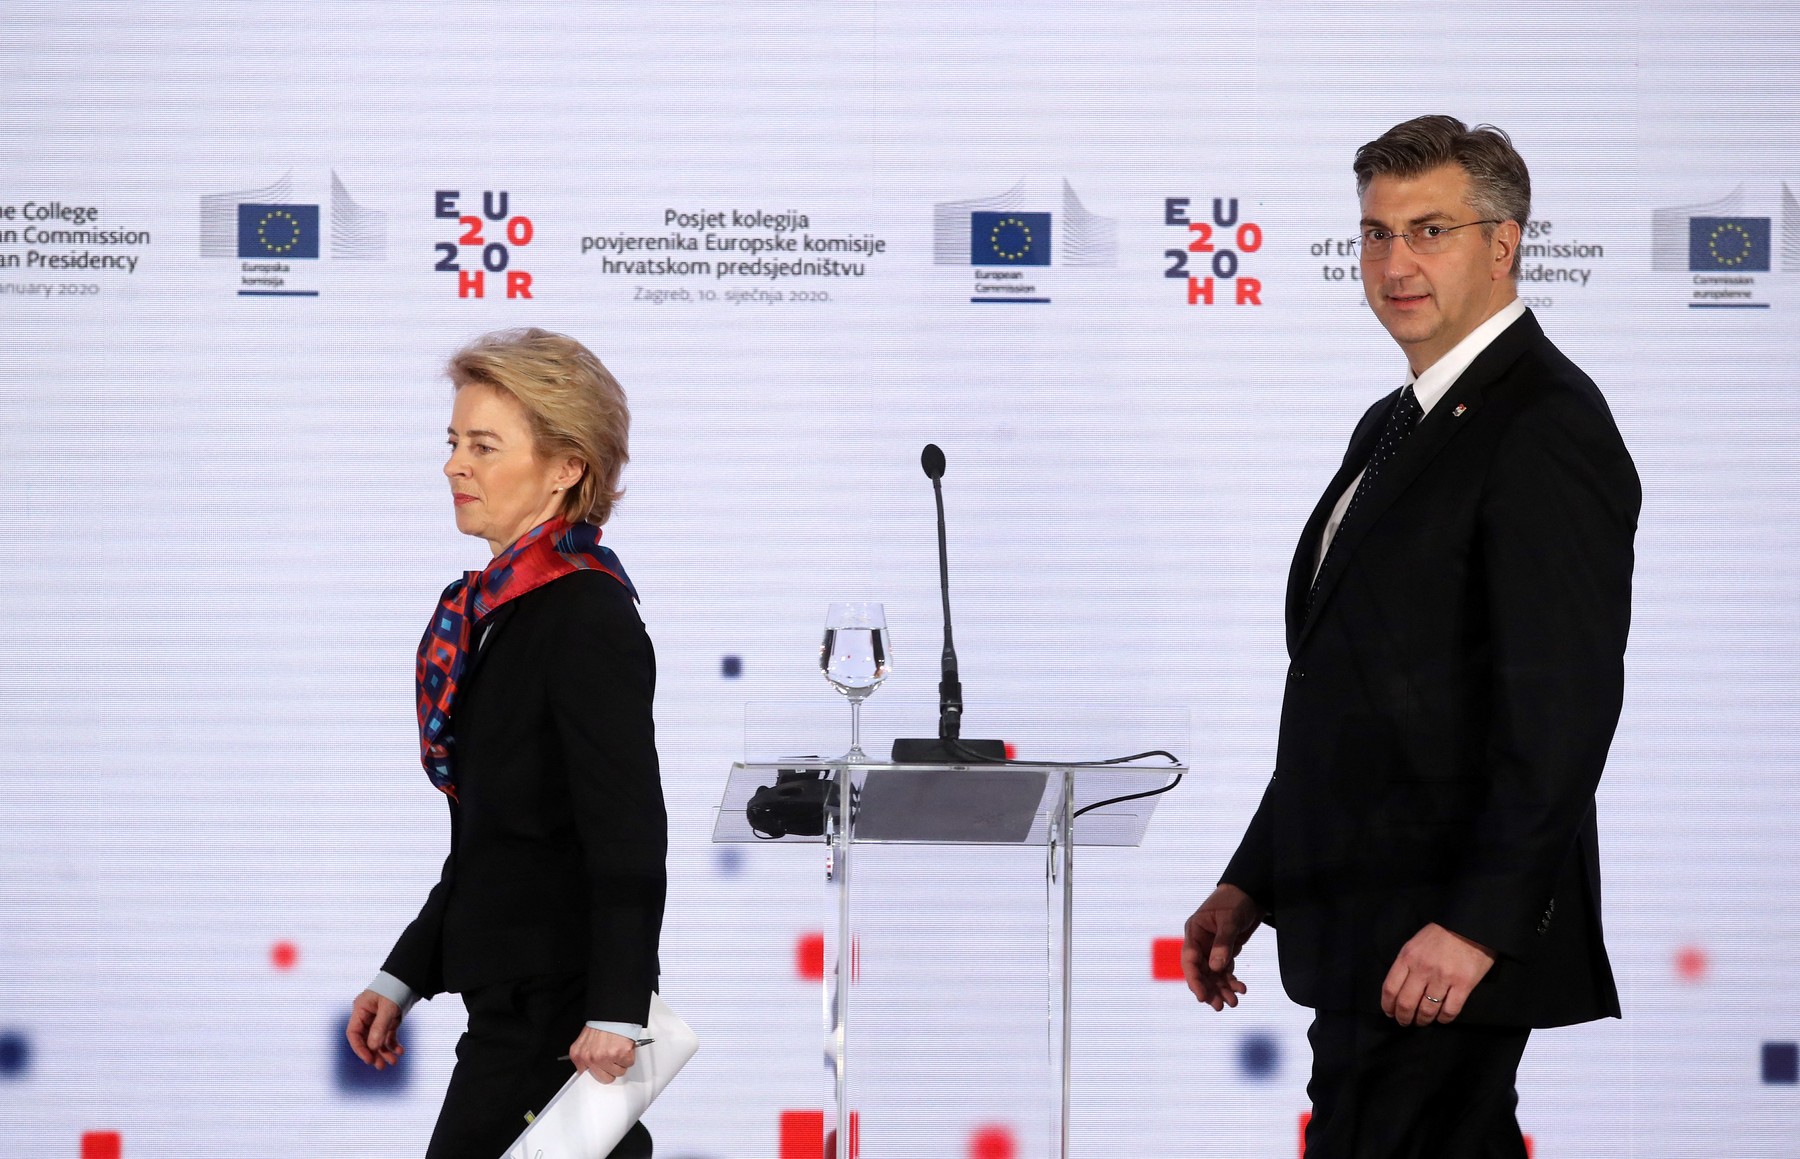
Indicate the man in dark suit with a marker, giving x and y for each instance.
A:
(1457, 613)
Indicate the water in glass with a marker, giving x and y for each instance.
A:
(855, 660)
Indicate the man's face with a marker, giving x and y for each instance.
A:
(1430, 302)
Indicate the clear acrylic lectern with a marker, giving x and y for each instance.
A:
(1030, 808)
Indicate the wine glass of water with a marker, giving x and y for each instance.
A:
(855, 659)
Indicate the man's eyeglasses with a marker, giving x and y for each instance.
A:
(1375, 243)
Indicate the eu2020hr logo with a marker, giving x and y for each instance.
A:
(491, 239)
(1213, 253)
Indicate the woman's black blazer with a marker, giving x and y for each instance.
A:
(558, 834)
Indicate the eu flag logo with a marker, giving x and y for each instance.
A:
(278, 231)
(1728, 243)
(1009, 239)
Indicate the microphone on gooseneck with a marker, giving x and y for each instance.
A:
(950, 704)
(949, 747)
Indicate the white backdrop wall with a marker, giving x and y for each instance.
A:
(222, 523)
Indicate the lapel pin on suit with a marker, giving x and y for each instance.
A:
(1460, 408)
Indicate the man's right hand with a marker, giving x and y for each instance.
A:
(374, 1030)
(1215, 934)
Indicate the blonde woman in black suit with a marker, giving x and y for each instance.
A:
(535, 681)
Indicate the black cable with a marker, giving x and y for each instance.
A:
(956, 747)
(1128, 797)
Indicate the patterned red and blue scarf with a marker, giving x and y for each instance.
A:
(548, 551)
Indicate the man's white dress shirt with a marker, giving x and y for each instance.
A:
(1430, 388)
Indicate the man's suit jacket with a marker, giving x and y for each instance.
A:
(1451, 697)
(558, 833)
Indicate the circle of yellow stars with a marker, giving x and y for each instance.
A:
(994, 239)
(1743, 236)
(262, 231)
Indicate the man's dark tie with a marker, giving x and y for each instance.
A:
(1400, 422)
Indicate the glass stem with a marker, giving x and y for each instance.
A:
(856, 728)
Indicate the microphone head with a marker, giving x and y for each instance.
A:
(932, 459)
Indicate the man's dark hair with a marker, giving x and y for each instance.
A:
(1499, 183)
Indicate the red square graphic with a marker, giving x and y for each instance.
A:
(1165, 959)
(803, 1135)
(993, 1142)
(809, 957)
(101, 1145)
(1690, 964)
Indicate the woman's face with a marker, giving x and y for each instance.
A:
(500, 486)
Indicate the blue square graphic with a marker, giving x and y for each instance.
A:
(278, 231)
(1009, 239)
(15, 1053)
(1781, 1063)
(1258, 1056)
(356, 1077)
(1738, 244)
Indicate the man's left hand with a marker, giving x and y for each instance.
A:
(1433, 976)
(603, 1054)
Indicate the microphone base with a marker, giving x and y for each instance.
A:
(920, 751)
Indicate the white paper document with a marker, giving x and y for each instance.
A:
(587, 1118)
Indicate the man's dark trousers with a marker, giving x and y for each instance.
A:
(1385, 1091)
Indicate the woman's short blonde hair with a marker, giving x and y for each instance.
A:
(576, 407)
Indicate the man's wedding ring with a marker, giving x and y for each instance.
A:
(1429, 998)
